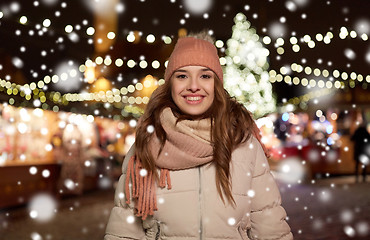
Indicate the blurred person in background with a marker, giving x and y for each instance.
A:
(361, 139)
(205, 147)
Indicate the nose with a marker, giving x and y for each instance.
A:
(193, 84)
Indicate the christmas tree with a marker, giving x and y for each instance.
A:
(246, 76)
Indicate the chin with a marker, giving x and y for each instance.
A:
(194, 112)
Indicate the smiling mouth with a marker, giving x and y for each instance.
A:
(193, 99)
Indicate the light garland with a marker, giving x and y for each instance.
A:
(309, 40)
(279, 77)
(325, 73)
(308, 97)
(343, 34)
(35, 89)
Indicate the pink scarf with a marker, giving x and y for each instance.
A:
(187, 145)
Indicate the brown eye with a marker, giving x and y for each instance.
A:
(181, 76)
(206, 76)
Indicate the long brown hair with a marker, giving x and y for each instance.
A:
(227, 116)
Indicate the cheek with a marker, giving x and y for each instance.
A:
(175, 91)
(211, 90)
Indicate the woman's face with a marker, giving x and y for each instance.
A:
(193, 89)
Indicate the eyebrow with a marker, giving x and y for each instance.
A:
(184, 71)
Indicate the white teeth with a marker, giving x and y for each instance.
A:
(193, 98)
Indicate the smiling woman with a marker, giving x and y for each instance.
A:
(206, 149)
(193, 89)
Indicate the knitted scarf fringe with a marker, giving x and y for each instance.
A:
(144, 187)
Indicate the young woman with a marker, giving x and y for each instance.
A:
(197, 169)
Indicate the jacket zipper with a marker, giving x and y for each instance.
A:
(200, 206)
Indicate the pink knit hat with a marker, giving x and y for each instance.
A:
(190, 51)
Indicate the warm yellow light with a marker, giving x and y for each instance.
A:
(139, 86)
(296, 48)
(47, 79)
(111, 35)
(40, 84)
(167, 40)
(295, 81)
(325, 73)
(304, 81)
(131, 63)
(131, 100)
(311, 44)
(46, 23)
(312, 83)
(306, 38)
(102, 84)
(131, 88)
(279, 78)
(288, 79)
(99, 60)
(353, 75)
(145, 100)
(294, 66)
(90, 74)
(23, 20)
(219, 44)
(293, 40)
(364, 37)
(283, 70)
(89, 63)
(119, 62)
(319, 37)
(90, 31)
(329, 84)
(336, 73)
(33, 86)
(155, 64)
(280, 50)
(68, 29)
(161, 82)
(130, 37)
(326, 40)
(337, 84)
(280, 42)
(321, 83)
(143, 64)
(150, 38)
(107, 61)
(124, 91)
(360, 77)
(272, 73)
(316, 72)
(222, 61)
(182, 32)
(266, 40)
(307, 70)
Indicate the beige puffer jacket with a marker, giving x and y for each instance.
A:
(192, 209)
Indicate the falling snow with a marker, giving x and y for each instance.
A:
(57, 42)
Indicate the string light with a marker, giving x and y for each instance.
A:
(120, 95)
(302, 101)
(307, 39)
(325, 73)
(281, 77)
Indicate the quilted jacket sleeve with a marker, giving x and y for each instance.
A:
(267, 214)
(122, 223)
